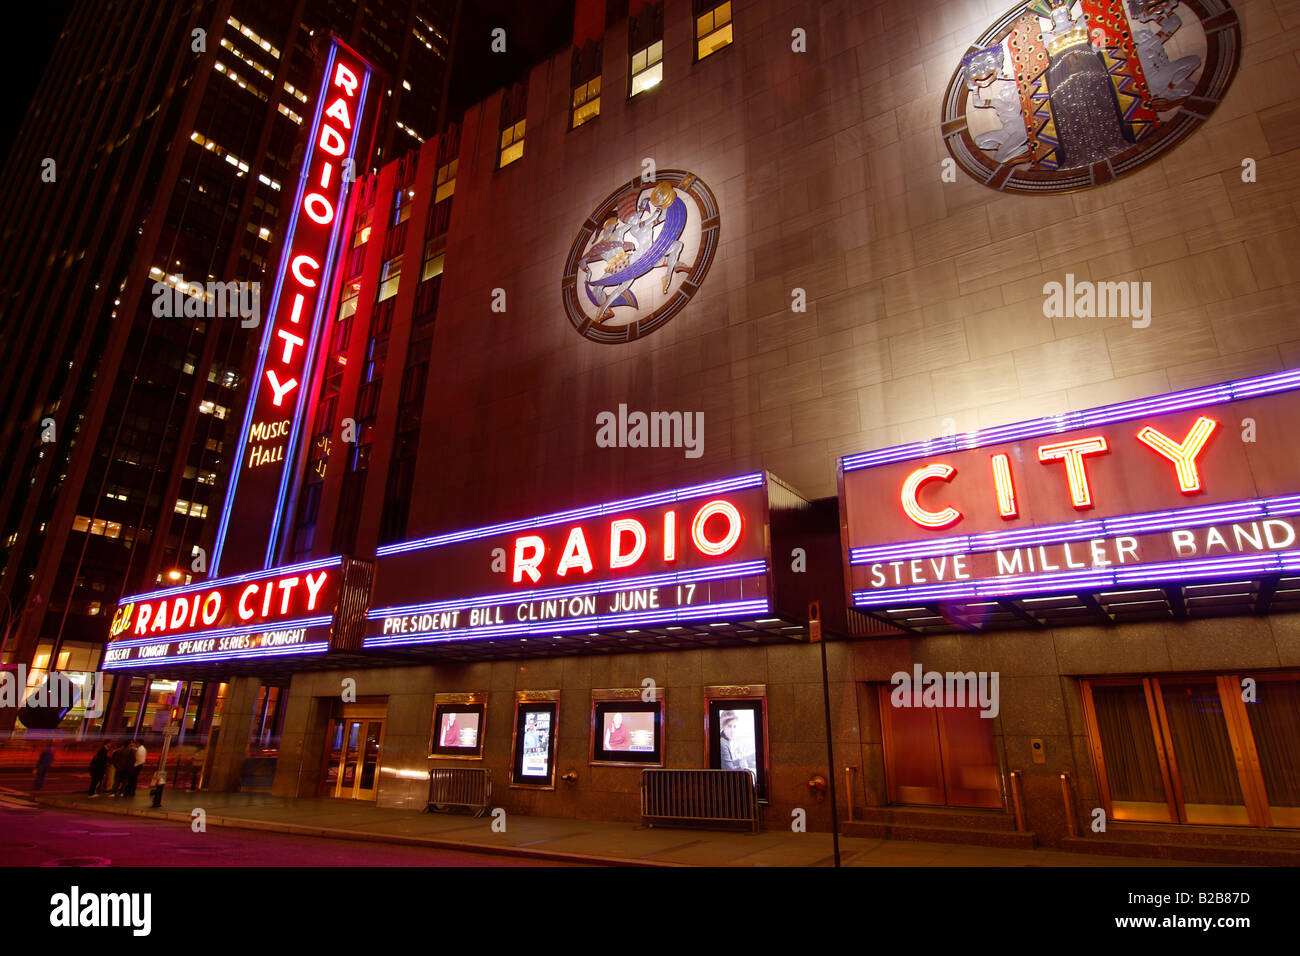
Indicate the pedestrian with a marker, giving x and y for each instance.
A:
(140, 755)
(43, 763)
(123, 761)
(98, 768)
(110, 777)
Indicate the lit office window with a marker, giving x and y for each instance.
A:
(446, 181)
(586, 102)
(389, 276)
(432, 262)
(647, 67)
(512, 143)
(361, 235)
(402, 205)
(713, 30)
(348, 304)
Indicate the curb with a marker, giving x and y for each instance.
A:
(239, 823)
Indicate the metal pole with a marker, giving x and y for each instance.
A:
(815, 634)
(830, 759)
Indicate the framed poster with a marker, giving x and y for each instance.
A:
(626, 730)
(458, 721)
(534, 747)
(736, 730)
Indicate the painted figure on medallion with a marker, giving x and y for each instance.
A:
(640, 257)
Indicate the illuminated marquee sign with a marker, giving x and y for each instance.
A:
(263, 467)
(1193, 485)
(696, 554)
(286, 611)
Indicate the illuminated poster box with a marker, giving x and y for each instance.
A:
(305, 608)
(684, 558)
(1190, 486)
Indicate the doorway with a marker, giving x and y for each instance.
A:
(353, 747)
(939, 756)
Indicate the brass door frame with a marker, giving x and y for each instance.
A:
(1093, 729)
(344, 721)
(1250, 776)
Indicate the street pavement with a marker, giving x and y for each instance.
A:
(48, 837)
(552, 839)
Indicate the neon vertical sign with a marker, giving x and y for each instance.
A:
(268, 442)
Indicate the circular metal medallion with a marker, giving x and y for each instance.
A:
(1060, 95)
(640, 257)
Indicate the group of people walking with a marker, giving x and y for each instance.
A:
(115, 768)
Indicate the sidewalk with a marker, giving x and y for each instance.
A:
(582, 841)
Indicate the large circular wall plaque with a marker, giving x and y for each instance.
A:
(1058, 96)
(640, 256)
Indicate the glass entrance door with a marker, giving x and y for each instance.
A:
(352, 758)
(1217, 750)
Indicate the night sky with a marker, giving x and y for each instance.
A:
(535, 29)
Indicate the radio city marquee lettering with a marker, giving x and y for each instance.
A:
(263, 466)
(1193, 485)
(696, 554)
(289, 611)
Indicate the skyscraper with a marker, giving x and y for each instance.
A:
(161, 149)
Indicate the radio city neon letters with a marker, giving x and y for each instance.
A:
(629, 542)
(321, 211)
(257, 600)
(268, 446)
(1074, 455)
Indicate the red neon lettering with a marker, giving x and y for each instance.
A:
(213, 600)
(245, 614)
(1073, 453)
(296, 315)
(290, 340)
(527, 563)
(159, 618)
(318, 208)
(296, 268)
(180, 611)
(313, 589)
(194, 614)
(326, 170)
(346, 78)
(331, 141)
(142, 618)
(617, 559)
(339, 110)
(912, 507)
(727, 541)
(279, 389)
(266, 599)
(670, 536)
(1183, 454)
(576, 553)
(1005, 488)
(286, 589)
